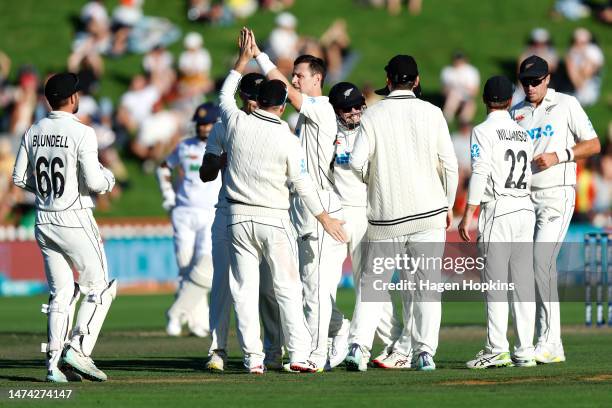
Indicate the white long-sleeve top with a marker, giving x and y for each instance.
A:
(501, 154)
(349, 186)
(556, 125)
(263, 157)
(413, 175)
(58, 161)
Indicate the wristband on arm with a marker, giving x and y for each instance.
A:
(566, 155)
(264, 63)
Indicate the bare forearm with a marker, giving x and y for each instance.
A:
(586, 149)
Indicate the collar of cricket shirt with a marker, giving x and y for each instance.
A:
(62, 114)
(267, 116)
(499, 114)
(401, 94)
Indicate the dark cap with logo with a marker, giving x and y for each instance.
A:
(206, 113)
(498, 89)
(533, 67)
(272, 93)
(250, 83)
(61, 86)
(400, 69)
(345, 95)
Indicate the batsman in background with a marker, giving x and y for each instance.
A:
(321, 256)
(192, 209)
(349, 105)
(500, 185)
(561, 133)
(58, 162)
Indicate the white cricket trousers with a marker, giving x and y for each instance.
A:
(253, 239)
(389, 327)
(321, 258)
(505, 228)
(421, 311)
(554, 208)
(193, 247)
(221, 297)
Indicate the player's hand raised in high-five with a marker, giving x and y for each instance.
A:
(246, 51)
(254, 47)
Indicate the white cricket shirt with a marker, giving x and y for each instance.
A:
(349, 186)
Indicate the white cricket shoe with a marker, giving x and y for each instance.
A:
(174, 327)
(199, 331)
(548, 353)
(425, 362)
(377, 360)
(307, 366)
(255, 365)
(55, 375)
(524, 362)
(356, 359)
(287, 369)
(216, 361)
(337, 350)
(395, 361)
(83, 365)
(490, 360)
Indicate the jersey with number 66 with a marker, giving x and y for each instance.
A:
(502, 152)
(58, 161)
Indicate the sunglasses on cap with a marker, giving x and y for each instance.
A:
(533, 82)
(349, 109)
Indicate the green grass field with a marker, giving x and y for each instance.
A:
(492, 33)
(147, 368)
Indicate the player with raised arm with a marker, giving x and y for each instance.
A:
(500, 185)
(321, 257)
(58, 162)
(220, 295)
(192, 211)
(561, 133)
(262, 159)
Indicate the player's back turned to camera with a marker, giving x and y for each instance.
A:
(501, 154)
(58, 162)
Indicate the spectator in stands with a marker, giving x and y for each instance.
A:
(158, 63)
(5, 67)
(394, 7)
(125, 16)
(276, 5)
(24, 101)
(540, 44)
(460, 85)
(336, 42)
(156, 138)
(461, 143)
(194, 67)
(7, 192)
(283, 43)
(584, 62)
(137, 104)
(97, 33)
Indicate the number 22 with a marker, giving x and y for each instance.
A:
(520, 184)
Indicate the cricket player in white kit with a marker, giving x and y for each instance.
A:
(192, 209)
(412, 178)
(321, 257)
(221, 297)
(500, 185)
(561, 133)
(349, 104)
(58, 162)
(262, 159)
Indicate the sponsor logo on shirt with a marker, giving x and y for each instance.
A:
(548, 109)
(343, 158)
(303, 167)
(538, 132)
(475, 151)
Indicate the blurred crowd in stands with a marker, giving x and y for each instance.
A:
(154, 112)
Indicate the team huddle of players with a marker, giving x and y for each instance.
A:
(291, 207)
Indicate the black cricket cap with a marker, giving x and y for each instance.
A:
(533, 67)
(250, 83)
(498, 89)
(62, 86)
(400, 69)
(345, 95)
(206, 113)
(272, 93)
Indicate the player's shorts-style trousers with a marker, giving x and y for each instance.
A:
(389, 327)
(253, 239)
(554, 208)
(421, 312)
(505, 228)
(221, 297)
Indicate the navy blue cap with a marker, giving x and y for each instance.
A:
(61, 86)
(272, 93)
(498, 89)
(206, 113)
(250, 83)
(345, 95)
